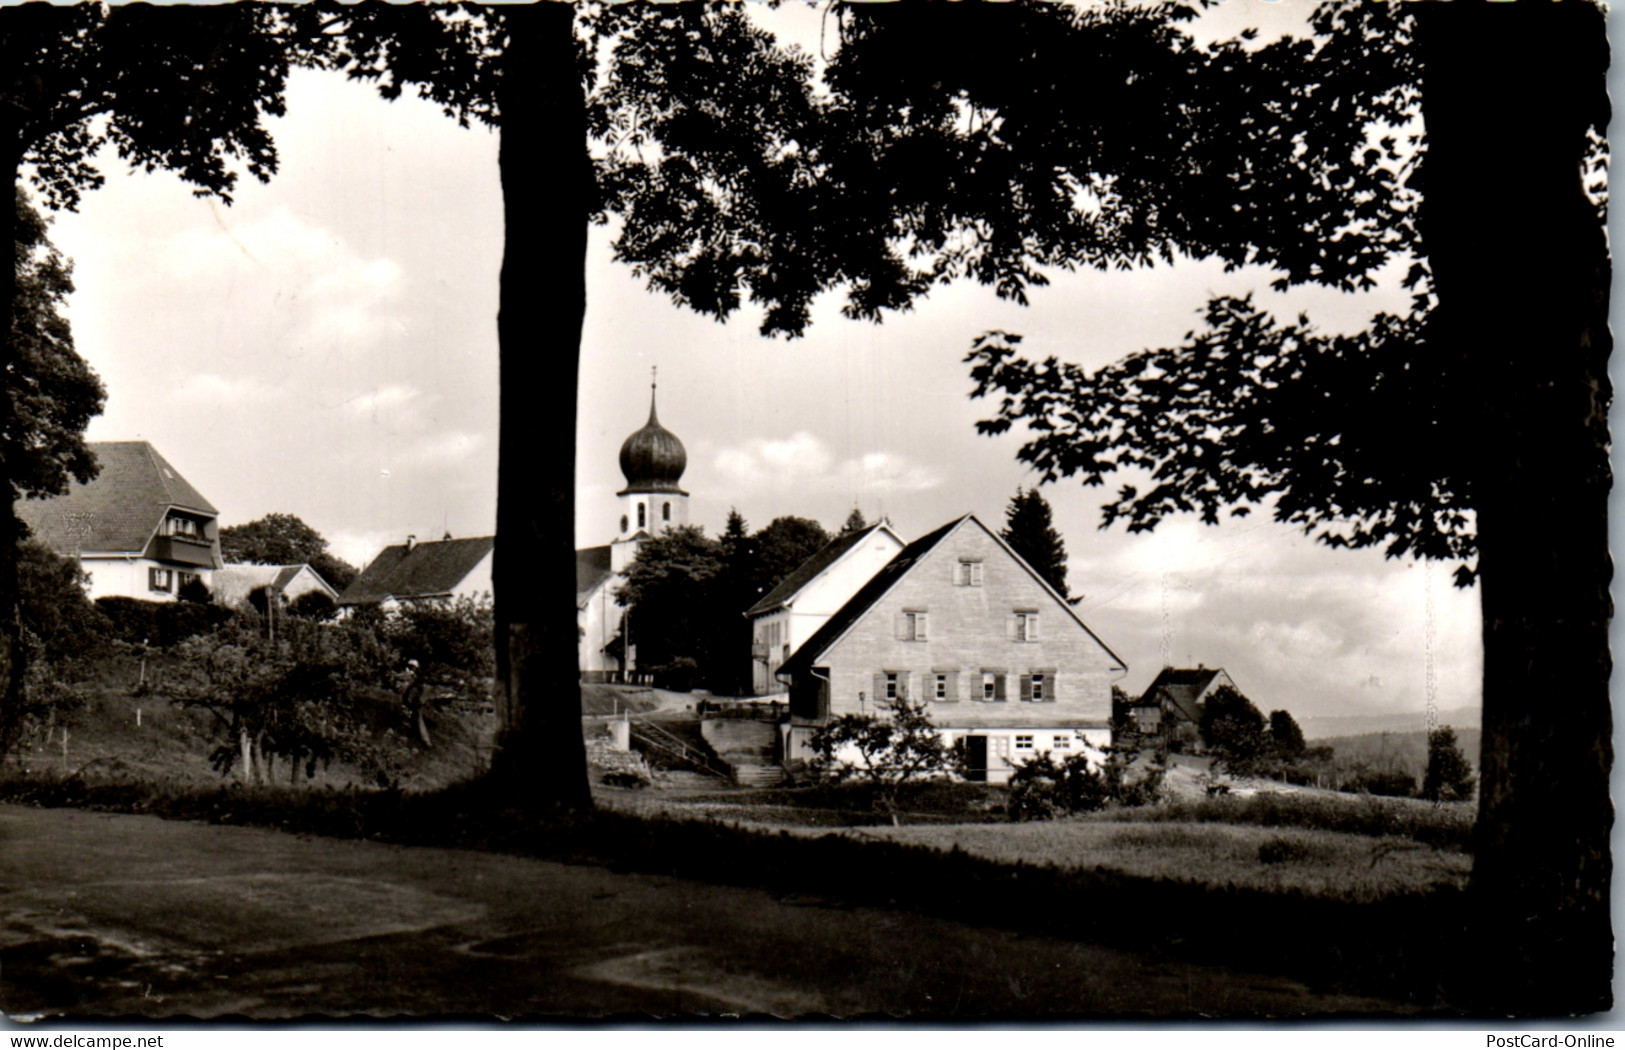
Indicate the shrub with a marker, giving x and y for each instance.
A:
(1393, 783)
(314, 605)
(159, 623)
(1449, 777)
(1281, 850)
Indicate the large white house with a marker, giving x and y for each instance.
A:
(804, 601)
(138, 529)
(958, 621)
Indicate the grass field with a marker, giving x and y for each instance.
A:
(1325, 864)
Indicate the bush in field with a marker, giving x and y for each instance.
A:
(443, 653)
(1449, 777)
(1041, 788)
(1393, 783)
(890, 749)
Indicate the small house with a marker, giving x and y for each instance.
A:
(443, 570)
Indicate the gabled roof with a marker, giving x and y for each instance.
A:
(592, 569)
(808, 570)
(232, 584)
(120, 509)
(422, 570)
(883, 581)
(1181, 687)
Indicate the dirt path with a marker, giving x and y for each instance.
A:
(120, 915)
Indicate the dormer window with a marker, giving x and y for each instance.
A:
(184, 527)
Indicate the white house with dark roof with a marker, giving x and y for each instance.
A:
(804, 601)
(442, 570)
(233, 583)
(138, 529)
(958, 621)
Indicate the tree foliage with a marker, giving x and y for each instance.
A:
(1449, 776)
(674, 588)
(52, 391)
(57, 613)
(855, 522)
(1232, 727)
(885, 750)
(1030, 531)
(1286, 737)
(283, 539)
(781, 547)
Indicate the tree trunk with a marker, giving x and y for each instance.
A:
(1521, 270)
(540, 760)
(246, 746)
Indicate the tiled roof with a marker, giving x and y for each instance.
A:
(1181, 687)
(807, 570)
(867, 595)
(870, 593)
(426, 570)
(233, 583)
(592, 569)
(120, 509)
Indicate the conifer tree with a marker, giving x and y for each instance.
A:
(1030, 532)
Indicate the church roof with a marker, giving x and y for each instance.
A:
(120, 509)
(592, 569)
(652, 459)
(417, 570)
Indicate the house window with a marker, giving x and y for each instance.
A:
(992, 686)
(186, 578)
(641, 521)
(1026, 625)
(623, 523)
(940, 686)
(183, 527)
(968, 573)
(891, 685)
(665, 511)
(911, 626)
(1024, 741)
(1037, 694)
(1063, 743)
(161, 579)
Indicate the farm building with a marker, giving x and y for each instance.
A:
(959, 621)
(1171, 705)
(443, 570)
(804, 601)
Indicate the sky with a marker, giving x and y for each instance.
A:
(326, 347)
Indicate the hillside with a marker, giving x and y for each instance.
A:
(1407, 751)
(1317, 729)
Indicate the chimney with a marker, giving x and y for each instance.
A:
(411, 541)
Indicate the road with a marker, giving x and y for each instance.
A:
(130, 915)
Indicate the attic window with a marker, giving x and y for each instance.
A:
(968, 573)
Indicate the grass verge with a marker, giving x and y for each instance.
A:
(1398, 946)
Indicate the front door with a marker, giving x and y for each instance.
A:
(976, 758)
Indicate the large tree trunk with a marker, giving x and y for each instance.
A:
(540, 760)
(1521, 271)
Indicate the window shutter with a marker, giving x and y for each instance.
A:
(902, 627)
(902, 684)
(953, 685)
(1032, 627)
(919, 627)
(1026, 687)
(879, 693)
(1011, 624)
(998, 688)
(975, 574)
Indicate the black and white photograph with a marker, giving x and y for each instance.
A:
(1082, 511)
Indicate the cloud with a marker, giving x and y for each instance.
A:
(209, 388)
(384, 398)
(804, 460)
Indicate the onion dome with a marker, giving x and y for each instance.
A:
(652, 459)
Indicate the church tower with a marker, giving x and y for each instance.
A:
(653, 461)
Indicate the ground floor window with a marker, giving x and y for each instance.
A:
(1063, 743)
(161, 579)
(940, 687)
(1024, 741)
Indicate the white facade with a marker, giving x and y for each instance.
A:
(136, 577)
(777, 633)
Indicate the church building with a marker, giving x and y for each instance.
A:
(652, 461)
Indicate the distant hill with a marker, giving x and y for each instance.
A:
(1407, 751)
(1317, 729)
